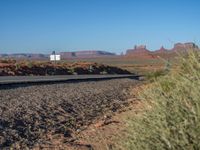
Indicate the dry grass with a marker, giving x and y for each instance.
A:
(173, 122)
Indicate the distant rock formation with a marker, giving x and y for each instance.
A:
(137, 50)
(184, 46)
(140, 52)
(67, 54)
(86, 54)
(161, 50)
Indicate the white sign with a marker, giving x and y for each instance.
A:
(54, 57)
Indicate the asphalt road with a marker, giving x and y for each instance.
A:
(6, 80)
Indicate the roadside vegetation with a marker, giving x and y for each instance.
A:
(171, 120)
(11, 67)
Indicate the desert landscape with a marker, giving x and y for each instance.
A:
(62, 115)
(99, 75)
(138, 60)
(88, 114)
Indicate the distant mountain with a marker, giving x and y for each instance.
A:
(64, 55)
(161, 50)
(25, 56)
(86, 54)
(138, 52)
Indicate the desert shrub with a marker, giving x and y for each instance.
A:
(17, 66)
(30, 64)
(7, 61)
(151, 76)
(173, 120)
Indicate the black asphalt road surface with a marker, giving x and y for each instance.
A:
(5, 80)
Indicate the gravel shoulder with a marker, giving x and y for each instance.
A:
(33, 116)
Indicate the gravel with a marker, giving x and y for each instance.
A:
(28, 114)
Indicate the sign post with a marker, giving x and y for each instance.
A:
(54, 57)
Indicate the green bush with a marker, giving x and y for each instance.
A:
(173, 121)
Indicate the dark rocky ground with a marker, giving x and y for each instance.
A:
(28, 114)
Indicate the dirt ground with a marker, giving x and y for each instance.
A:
(105, 133)
(57, 115)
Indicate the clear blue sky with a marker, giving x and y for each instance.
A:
(41, 26)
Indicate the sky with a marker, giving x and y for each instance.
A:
(41, 26)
